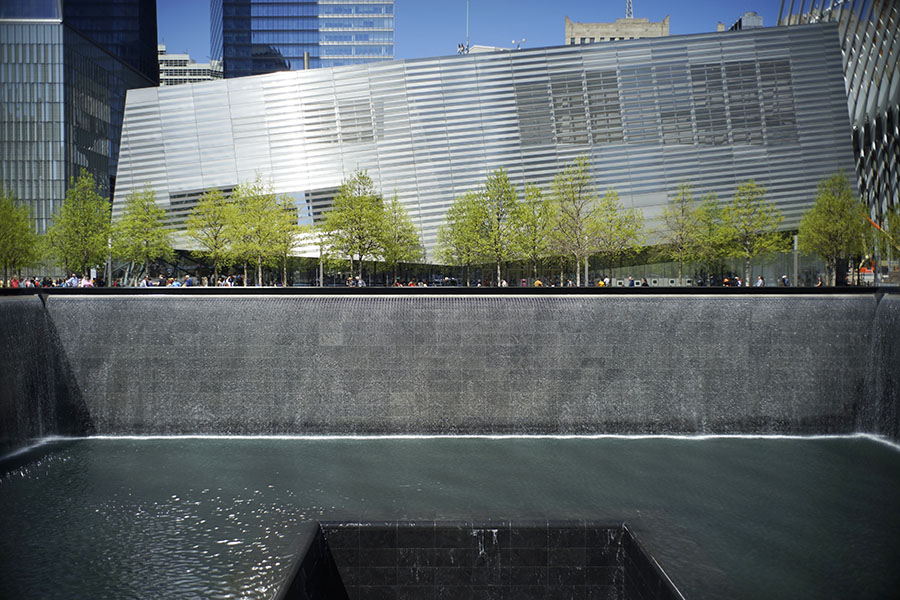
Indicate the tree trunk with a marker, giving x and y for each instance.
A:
(258, 271)
(244, 281)
(746, 271)
(497, 283)
(585, 271)
(534, 269)
(577, 272)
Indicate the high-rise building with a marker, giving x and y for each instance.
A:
(622, 29)
(176, 69)
(650, 114)
(63, 76)
(252, 37)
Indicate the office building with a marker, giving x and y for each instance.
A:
(749, 20)
(177, 69)
(251, 37)
(63, 77)
(622, 29)
(711, 110)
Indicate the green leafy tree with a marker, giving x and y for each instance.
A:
(574, 203)
(712, 237)
(617, 230)
(535, 222)
(140, 236)
(499, 200)
(286, 232)
(400, 240)
(835, 227)
(211, 225)
(682, 224)
(18, 240)
(355, 223)
(80, 234)
(751, 223)
(459, 237)
(257, 225)
(892, 220)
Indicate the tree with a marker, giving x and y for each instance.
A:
(712, 237)
(80, 234)
(459, 237)
(257, 225)
(751, 224)
(499, 200)
(356, 220)
(286, 231)
(682, 225)
(535, 221)
(574, 203)
(892, 220)
(211, 226)
(18, 240)
(835, 227)
(617, 230)
(140, 236)
(400, 240)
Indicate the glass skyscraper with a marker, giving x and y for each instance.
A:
(252, 37)
(64, 69)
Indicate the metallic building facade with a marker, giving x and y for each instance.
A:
(869, 31)
(711, 110)
(62, 97)
(252, 37)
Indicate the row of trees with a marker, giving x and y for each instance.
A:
(573, 221)
(703, 231)
(492, 225)
(252, 227)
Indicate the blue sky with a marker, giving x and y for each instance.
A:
(425, 28)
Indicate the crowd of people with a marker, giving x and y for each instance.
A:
(74, 281)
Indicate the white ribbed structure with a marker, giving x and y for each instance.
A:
(711, 110)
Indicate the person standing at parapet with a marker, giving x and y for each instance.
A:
(760, 282)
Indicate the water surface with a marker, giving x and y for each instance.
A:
(221, 517)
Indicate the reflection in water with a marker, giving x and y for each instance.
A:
(737, 518)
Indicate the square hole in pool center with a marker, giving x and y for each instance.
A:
(481, 559)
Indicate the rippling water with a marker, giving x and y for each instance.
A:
(222, 518)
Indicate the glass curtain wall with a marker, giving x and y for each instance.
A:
(254, 37)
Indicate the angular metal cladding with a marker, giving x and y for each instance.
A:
(711, 110)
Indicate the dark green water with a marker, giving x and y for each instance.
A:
(219, 518)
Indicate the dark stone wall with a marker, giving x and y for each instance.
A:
(424, 560)
(36, 398)
(480, 364)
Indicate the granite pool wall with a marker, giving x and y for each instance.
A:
(448, 361)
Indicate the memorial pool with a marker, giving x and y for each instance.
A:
(726, 517)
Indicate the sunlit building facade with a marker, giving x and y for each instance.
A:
(252, 37)
(711, 110)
